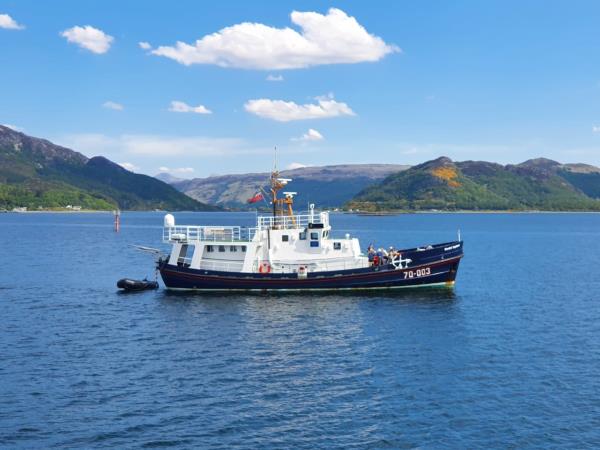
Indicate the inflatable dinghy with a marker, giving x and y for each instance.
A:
(128, 284)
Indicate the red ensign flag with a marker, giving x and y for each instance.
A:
(257, 198)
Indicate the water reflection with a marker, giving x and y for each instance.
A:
(422, 294)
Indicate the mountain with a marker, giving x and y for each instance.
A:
(166, 177)
(37, 173)
(584, 177)
(326, 186)
(538, 184)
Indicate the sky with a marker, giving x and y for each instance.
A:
(202, 88)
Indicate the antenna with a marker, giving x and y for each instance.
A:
(275, 161)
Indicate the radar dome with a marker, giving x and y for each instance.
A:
(169, 221)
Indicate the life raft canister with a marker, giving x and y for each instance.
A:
(264, 267)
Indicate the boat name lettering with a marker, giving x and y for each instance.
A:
(417, 273)
(452, 247)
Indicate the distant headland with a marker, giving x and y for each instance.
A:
(36, 174)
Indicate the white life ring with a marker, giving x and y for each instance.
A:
(264, 267)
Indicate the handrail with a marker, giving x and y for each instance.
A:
(316, 267)
(291, 222)
(193, 233)
(211, 233)
(223, 266)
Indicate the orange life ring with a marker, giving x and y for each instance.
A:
(264, 267)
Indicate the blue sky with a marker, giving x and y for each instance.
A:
(366, 82)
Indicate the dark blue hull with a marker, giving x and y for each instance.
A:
(434, 266)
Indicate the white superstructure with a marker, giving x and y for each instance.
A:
(279, 244)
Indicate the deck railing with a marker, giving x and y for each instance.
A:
(224, 266)
(190, 233)
(290, 222)
(358, 263)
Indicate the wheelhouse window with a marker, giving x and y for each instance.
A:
(302, 236)
(285, 238)
(314, 236)
(233, 248)
(337, 245)
(243, 248)
(210, 248)
(185, 254)
(221, 248)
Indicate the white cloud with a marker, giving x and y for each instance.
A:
(334, 38)
(90, 38)
(129, 166)
(8, 23)
(295, 165)
(596, 129)
(181, 107)
(113, 105)
(310, 135)
(144, 45)
(283, 111)
(177, 170)
(157, 145)
(271, 77)
(13, 127)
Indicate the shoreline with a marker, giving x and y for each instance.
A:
(384, 213)
(59, 211)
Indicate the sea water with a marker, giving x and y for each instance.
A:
(510, 358)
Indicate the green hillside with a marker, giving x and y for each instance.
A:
(36, 173)
(474, 185)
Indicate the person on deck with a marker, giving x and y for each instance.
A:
(379, 256)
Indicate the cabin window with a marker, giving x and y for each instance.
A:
(337, 245)
(314, 243)
(325, 234)
(243, 248)
(314, 236)
(285, 238)
(185, 254)
(233, 248)
(221, 248)
(302, 235)
(210, 248)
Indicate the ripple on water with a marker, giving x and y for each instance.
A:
(510, 359)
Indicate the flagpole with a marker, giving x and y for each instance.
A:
(274, 171)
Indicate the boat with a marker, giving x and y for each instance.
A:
(285, 251)
(129, 284)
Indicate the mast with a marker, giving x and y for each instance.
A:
(277, 184)
(274, 189)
